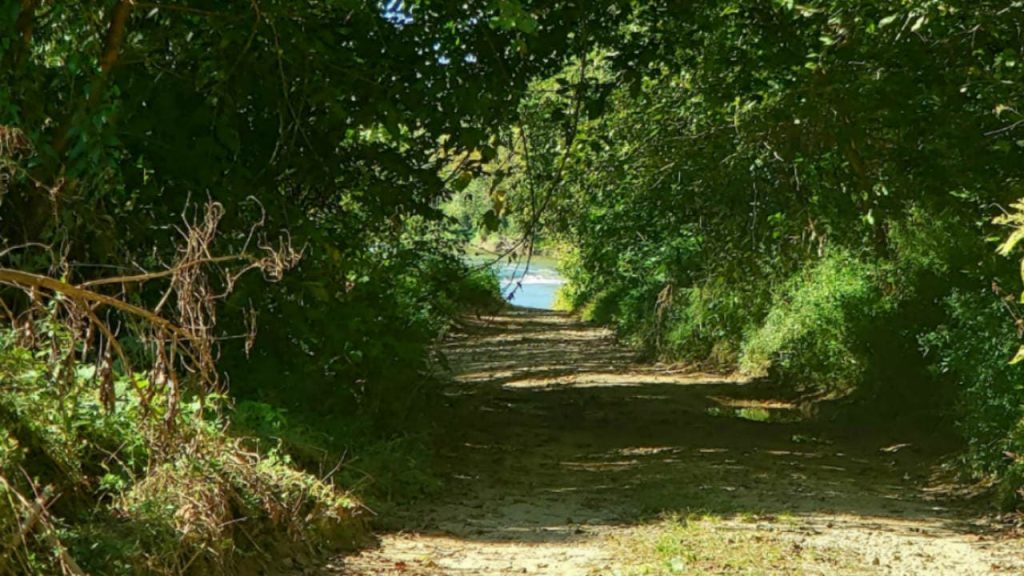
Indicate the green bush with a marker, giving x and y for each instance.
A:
(707, 322)
(973, 350)
(201, 509)
(810, 333)
(602, 308)
(477, 290)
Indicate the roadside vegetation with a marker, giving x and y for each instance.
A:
(231, 237)
(810, 192)
(222, 274)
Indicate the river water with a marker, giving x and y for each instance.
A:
(533, 288)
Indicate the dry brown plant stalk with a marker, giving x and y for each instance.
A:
(182, 342)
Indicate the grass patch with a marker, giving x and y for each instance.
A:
(754, 414)
(705, 544)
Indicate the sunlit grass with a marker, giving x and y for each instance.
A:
(753, 414)
(745, 544)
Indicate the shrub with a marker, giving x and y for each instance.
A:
(973, 350)
(200, 509)
(602, 308)
(810, 333)
(478, 290)
(707, 322)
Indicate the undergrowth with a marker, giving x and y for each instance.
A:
(809, 334)
(880, 339)
(350, 385)
(108, 470)
(971, 351)
(128, 491)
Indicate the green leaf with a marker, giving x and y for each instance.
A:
(527, 24)
(1019, 356)
(491, 221)
(462, 181)
(1011, 242)
(887, 20)
(228, 136)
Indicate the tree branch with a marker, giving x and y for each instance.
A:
(21, 279)
(138, 278)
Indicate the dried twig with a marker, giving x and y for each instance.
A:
(185, 343)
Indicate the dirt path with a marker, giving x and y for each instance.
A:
(567, 458)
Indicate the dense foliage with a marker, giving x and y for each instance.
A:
(329, 121)
(803, 191)
(119, 500)
(326, 129)
(806, 190)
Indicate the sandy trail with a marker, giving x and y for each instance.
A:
(563, 452)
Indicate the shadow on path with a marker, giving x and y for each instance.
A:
(555, 434)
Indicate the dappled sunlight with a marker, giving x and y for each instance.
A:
(587, 380)
(647, 451)
(563, 442)
(768, 404)
(600, 466)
